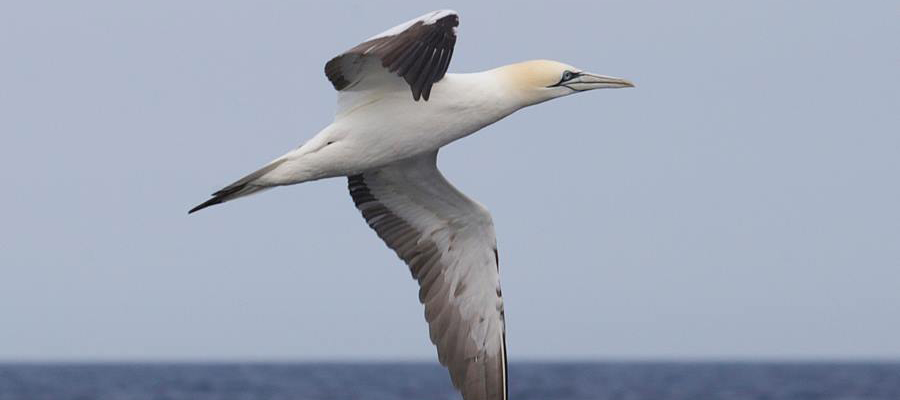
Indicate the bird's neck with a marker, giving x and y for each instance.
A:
(479, 92)
(515, 82)
(499, 90)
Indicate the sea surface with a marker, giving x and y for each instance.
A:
(396, 381)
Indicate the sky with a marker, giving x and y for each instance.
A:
(742, 202)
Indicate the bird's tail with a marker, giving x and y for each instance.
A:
(245, 186)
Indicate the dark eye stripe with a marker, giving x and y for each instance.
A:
(566, 76)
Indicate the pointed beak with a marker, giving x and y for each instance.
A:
(588, 81)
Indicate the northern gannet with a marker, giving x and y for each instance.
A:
(386, 140)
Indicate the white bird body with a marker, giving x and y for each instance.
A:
(386, 142)
(362, 137)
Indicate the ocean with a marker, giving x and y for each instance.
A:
(396, 381)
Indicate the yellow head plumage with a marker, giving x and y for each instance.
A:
(541, 80)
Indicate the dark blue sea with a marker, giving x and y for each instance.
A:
(396, 381)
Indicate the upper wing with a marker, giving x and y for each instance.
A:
(448, 242)
(418, 50)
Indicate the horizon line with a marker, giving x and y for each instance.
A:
(522, 360)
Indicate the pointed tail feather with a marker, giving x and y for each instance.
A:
(243, 187)
(227, 195)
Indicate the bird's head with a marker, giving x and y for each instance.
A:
(541, 80)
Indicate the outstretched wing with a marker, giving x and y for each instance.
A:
(418, 50)
(448, 242)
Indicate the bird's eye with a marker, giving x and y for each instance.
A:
(568, 75)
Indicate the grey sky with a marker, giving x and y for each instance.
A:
(742, 201)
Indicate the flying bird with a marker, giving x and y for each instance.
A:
(397, 106)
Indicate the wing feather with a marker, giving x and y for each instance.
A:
(448, 242)
(418, 51)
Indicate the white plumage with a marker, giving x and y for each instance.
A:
(396, 107)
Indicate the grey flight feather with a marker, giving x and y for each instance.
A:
(447, 240)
